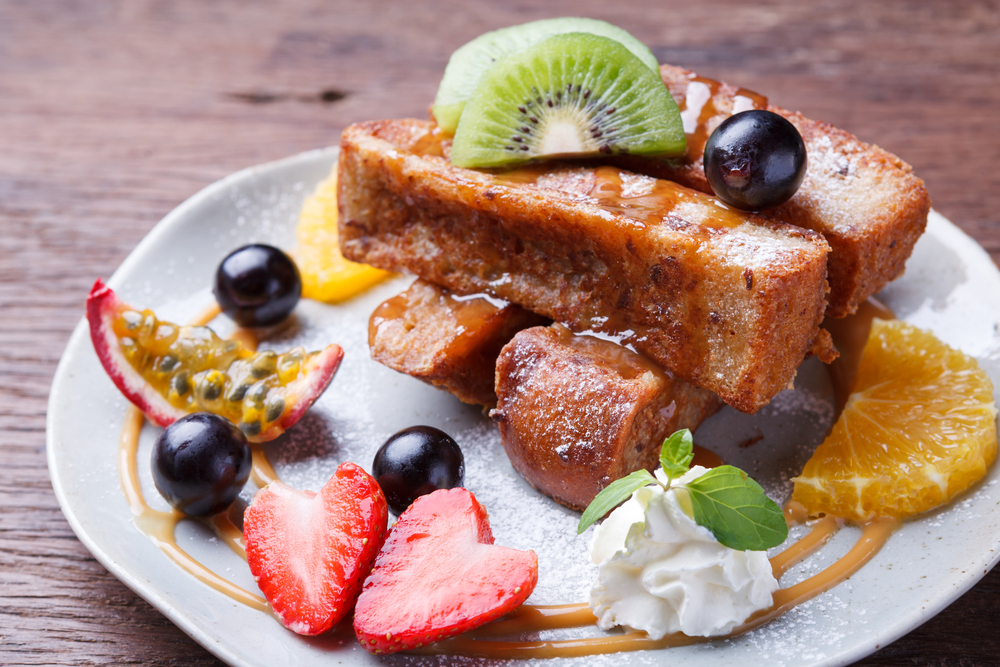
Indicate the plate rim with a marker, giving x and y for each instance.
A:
(81, 331)
(903, 624)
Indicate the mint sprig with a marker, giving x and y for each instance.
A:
(676, 454)
(737, 511)
(612, 495)
(724, 500)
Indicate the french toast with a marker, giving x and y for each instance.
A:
(577, 412)
(724, 300)
(866, 202)
(446, 341)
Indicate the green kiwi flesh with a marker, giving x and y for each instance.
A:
(570, 95)
(468, 64)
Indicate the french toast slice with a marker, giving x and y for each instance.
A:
(724, 300)
(449, 342)
(865, 201)
(577, 412)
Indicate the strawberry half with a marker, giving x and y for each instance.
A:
(310, 552)
(439, 575)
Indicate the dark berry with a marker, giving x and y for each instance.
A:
(200, 463)
(257, 285)
(415, 462)
(755, 160)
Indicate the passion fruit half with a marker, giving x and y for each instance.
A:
(170, 371)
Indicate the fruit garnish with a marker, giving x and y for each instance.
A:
(724, 499)
(257, 285)
(416, 461)
(309, 552)
(439, 575)
(169, 371)
(574, 94)
(755, 160)
(326, 275)
(468, 64)
(200, 463)
(918, 429)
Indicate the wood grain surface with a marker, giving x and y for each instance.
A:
(112, 113)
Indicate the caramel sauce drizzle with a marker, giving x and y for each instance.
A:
(532, 619)
(467, 313)
(699, 112)
(663, 197)
(649, 202)
(850, 334)
(160, 527)
(431, 143)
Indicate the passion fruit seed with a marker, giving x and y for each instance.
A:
(198, 371)
(195, 370)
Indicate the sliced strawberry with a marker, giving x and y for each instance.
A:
(439, 575)
(310, 552)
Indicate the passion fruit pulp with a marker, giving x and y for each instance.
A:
(170, 371)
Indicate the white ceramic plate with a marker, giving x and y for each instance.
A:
(950, 286)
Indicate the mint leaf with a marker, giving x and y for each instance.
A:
(737, 511)
(677, 453)
(613, 494)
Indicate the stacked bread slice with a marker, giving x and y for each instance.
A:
(724, 303)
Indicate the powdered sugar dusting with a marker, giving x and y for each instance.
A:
(367, 403)
(926, 565)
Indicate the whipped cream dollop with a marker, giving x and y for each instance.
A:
(661, 572)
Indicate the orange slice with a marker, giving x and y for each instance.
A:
(326, 275)
(919, 428)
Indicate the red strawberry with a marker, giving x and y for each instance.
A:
(439, 575)
(310, 552)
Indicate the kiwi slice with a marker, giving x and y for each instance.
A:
(574, 94)
(468, 64)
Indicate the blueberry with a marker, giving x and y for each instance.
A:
(755, 160)
(200, 463)
(415, 462)
(257, 285)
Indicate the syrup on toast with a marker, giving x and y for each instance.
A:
(866, 202)
(724, 300)
(449, 342)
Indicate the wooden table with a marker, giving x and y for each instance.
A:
(113, 113)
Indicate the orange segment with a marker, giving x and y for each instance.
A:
(326, 275)
(919, 428)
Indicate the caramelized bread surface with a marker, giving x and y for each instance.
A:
(451, 343)
(577, 412)
(866, 202)
(724, 300)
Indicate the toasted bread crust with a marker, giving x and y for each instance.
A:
(865, 201)
(449, 343)
(732, 308)
(576, 412)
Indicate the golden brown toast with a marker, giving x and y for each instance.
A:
(866, 202)
(725, 300)
(447, 341)
(578, 412)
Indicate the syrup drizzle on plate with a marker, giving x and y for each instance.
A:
(850, 335)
